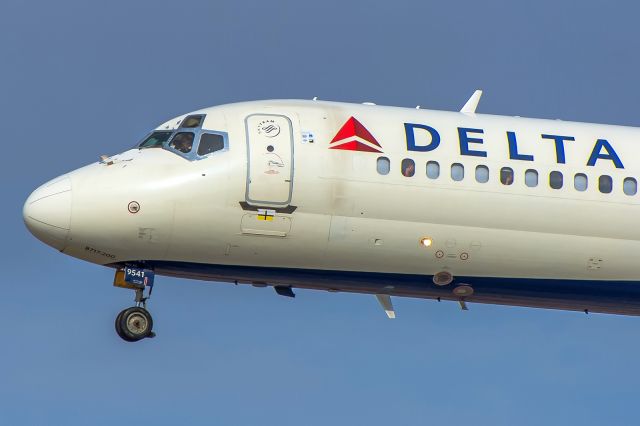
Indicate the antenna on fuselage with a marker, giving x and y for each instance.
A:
(105, 159)
(385, 302)
(472, 103)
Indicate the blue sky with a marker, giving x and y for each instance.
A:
(80, 79)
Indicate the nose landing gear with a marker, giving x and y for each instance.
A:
(135, 323)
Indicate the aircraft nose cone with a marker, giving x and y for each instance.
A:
(47, 212)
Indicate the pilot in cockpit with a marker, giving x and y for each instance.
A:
(182, 142)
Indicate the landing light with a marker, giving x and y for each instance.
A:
(426, 241)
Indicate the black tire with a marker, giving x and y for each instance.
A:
(119, 327)
(136, 324)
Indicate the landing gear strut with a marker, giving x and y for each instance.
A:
(135, 323)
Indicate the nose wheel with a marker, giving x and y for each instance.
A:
(135, 323)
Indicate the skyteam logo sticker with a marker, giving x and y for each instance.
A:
(353, 136)
(269, 128)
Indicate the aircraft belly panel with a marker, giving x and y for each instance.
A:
(615, 297)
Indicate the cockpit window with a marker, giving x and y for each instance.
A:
(209, 143)
(182, 141)
(156, 139)
(192, 121)
(188, 139)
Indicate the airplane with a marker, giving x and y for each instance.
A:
(362, 198)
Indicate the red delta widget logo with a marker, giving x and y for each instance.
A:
(353, 136)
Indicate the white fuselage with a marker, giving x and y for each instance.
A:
(300, 186)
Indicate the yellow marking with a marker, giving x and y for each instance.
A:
(118, 281)
(265, 214)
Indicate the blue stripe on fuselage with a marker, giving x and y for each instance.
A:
(616, 297)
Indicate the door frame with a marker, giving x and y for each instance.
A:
(291, 169)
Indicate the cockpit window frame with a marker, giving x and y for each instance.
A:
(200, 117)
(170, 142)
(198, 132)
(148, 135)
(225, 142)
(192, 155)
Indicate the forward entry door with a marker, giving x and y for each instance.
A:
(270, 160)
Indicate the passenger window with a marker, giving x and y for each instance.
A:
(531, 178)
(156, 139)
(605, 184)
(580, 182)
(383, 165)
(182, 142)
(457, 171)
(630, 186)
(210, 142)
(555, 180)
(192, 121)
(433, 169)
(506, 175)
(408, 167)
(482, 174)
